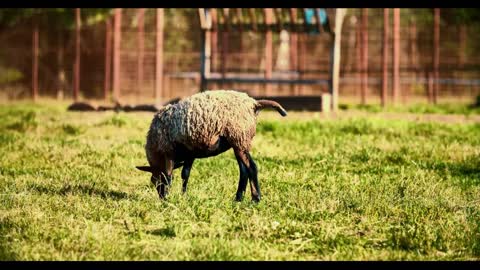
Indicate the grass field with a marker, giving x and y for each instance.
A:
(342, 188)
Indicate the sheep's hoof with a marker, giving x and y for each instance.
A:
(239, 197)
(256, 199)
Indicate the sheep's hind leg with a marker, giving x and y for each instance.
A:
(186, 173)
(252, 171)
(242, 182)
(254, 185)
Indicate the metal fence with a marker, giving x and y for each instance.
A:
(458, 68)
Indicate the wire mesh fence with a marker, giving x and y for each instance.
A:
(233, 52)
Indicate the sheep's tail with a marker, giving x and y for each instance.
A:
(264, 103)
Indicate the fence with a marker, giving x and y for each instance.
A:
(458, 64)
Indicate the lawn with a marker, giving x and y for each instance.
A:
(334, 188)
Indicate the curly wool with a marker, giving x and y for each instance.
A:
(199, 120)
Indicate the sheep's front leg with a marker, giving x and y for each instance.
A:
(242, 182)
(187, 166)
(165, 178)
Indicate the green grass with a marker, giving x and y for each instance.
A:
(419, 108)
(333, 189)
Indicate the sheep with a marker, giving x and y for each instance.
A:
(204, 125)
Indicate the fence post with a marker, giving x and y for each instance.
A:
(214, 39)
(108, 60)
(76, 75)
(60, 64)
(302, 62)
(358, 56)
(141, 46)
(293, 40)
(206, 52)
(337, 34)
(413, 44)
(35, 60)
(430, 87)
(293, 45)
(268, 48)
(385, 57)
(159, 56)
(117, 35)
(396, 55)
(413, 54)
(462, 44)
(364, 79)
(226, 16)
(436, 52)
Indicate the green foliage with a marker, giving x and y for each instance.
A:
(18, 120)
(424, 16)
(63, 18)
(477, 102)
(9, 75)
(418, 108)
(72, 129)
(360, 188)
(462, 15)
(115, 120)
(421, 16)
(10, 16)
(182, 26)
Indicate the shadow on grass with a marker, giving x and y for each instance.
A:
(165, 232)
(6, 254)
(468, 170)
(90, 190)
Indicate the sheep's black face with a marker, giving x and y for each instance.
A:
(144, 168)
(155, 179)
(162, 184)
(150, 170)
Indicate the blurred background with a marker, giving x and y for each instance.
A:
(71, 54)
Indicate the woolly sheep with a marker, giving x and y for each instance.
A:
(204, 125)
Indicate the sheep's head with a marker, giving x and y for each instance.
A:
(155, 175)
(156, 179)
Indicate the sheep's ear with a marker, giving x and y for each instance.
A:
(144, 168)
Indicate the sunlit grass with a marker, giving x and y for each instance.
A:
(360, 188)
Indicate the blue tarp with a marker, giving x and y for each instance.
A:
(310, 13)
